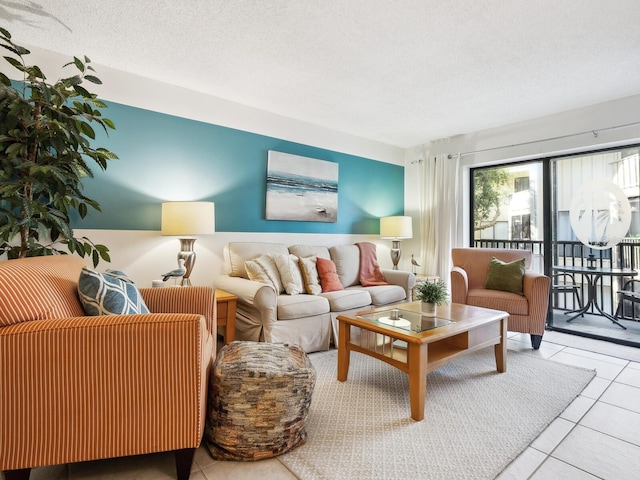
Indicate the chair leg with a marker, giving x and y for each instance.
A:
(184, 459)
(22, 474)
(536, 340)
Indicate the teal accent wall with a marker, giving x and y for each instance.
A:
(168, 158)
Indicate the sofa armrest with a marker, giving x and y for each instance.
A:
(254, 295)
(200, 300)
(406, 280)
(137, 376)
(459, 285)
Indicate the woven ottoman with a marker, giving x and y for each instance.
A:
(259, 398)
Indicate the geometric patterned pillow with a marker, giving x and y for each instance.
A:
(109, 293)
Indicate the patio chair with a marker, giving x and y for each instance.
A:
(630, 294)
(564, 283)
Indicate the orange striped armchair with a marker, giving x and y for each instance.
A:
(76, 387)
(527, 313)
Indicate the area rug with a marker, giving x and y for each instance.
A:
(476, 419)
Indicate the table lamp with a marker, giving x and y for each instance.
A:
(395, 229)
(185, 220)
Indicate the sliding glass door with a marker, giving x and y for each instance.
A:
(595, 243)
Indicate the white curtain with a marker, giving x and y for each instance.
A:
(440, 222)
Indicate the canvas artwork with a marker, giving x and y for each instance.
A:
(301, 188)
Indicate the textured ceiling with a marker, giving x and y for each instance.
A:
(402, 72)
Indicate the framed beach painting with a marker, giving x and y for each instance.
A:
(301, 188)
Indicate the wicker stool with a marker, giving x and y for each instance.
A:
(259, 398)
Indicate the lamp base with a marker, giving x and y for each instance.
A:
(187, 254)
(395, 253)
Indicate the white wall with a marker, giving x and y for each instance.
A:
(522, 141)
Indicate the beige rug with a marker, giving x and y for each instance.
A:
(476, 419)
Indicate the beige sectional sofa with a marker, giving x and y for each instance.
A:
(264, 314)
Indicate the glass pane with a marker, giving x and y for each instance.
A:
(507, 208)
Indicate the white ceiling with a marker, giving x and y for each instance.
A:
(402, 72)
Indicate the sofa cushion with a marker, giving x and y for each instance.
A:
(109, 293)
(310, 276)
(348, 299)
(511, 303)
(290, 274)
(329, 279)
(505, 276)
(385, 294)
(291, 307)
(236, 253)
(263, 269)
(347, 260)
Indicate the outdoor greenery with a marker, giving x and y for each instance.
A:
(489, 192)
(432, 292)
(45, 147)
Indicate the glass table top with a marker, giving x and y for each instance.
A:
(406, 319)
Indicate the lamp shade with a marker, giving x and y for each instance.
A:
(396, 228)
(188, 218)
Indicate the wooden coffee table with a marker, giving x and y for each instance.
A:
(417, 344)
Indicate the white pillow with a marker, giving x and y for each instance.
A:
(310, 275)
(289, 273)
(263, 269)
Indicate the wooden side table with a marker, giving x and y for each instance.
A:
(226, 314)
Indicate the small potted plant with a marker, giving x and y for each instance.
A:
(432, 294)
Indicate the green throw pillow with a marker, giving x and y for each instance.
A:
(505, 276)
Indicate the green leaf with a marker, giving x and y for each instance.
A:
(5, 33)
(96, 259)
(93, 79)
(109, 123)
(5, 80)
(87, 130)
(81, 91)
(15, 63)
(78, 63)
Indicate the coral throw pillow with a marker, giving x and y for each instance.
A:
(328, 275)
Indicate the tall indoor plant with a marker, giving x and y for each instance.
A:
(45, 144)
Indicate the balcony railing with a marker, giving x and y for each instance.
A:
(624, 255)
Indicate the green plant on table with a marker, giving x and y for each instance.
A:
(45, 147)
(432, 292)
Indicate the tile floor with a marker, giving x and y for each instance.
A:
(596, 437)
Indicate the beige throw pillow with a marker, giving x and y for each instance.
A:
(290, 274)
(310, 275)
(263, 269)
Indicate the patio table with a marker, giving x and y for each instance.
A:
(593, 275)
